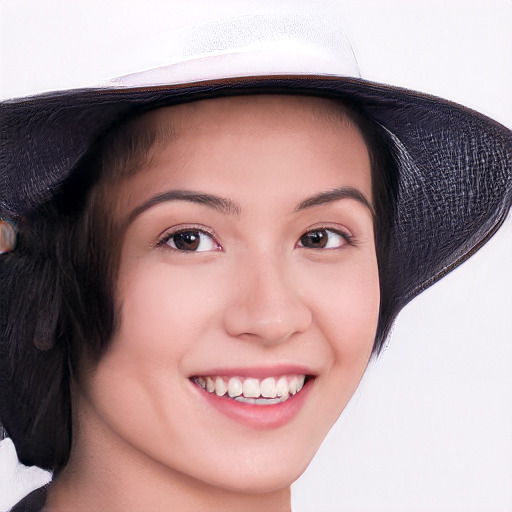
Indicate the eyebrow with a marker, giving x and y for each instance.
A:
(336, 195)
(227, 206)
(221, 204)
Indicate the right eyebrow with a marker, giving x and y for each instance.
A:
(218, 203)
(335, 195)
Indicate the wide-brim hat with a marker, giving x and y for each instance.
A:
(454, 165)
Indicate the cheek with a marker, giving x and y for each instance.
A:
(160, 308)
(164, 311)
(140, 382)
(347, 310)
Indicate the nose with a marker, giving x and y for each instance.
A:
(267, 305)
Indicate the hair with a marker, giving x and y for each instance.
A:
(58, 285)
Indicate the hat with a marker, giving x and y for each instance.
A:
(453, 165)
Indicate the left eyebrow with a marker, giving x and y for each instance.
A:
(336, 195)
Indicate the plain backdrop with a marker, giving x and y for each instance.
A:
(430, 427)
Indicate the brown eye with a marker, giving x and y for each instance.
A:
(323, 239)
(191, 240)
(314, 239)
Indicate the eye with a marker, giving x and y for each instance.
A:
(190, 240)
(324, 238)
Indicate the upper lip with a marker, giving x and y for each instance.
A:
(258, 372)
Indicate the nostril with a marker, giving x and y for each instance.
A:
(267, 325)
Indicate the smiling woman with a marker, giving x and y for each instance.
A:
(245, 301)
(232, 333)
(206, 268)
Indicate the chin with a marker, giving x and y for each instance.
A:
(264, 471)
(264, 481)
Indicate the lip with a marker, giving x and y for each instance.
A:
(260, 417)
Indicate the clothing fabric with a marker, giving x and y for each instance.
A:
(33, 502)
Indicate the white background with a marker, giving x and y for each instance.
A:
(430, 427)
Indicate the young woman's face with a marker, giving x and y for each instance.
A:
(248, 267)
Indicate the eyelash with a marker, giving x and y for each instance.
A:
(168, 236)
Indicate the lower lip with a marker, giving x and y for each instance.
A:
(258, 416)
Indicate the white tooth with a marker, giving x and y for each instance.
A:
(267, 401)
(281, 386)
(268, 387)
(201, 382)
(210, 385)
(234, 387)
(300, 382)
(245, 400)
(292, 385)
(251, 388)
(270, 401)
(220, 386)
(262, 401)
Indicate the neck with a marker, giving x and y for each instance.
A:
(103, 473)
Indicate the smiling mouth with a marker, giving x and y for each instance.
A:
(267, 391)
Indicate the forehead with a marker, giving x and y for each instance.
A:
(251, 144)
(245, 112)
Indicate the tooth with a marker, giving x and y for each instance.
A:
(267, 401)
(251, 388)
(245, 400)
(281, 386)
(234, 387)
(220, 386)
(292, 385)
(268, 387)
(265, 390)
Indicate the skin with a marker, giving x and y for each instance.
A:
(144, 438)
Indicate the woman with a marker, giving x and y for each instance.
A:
(242, 318)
